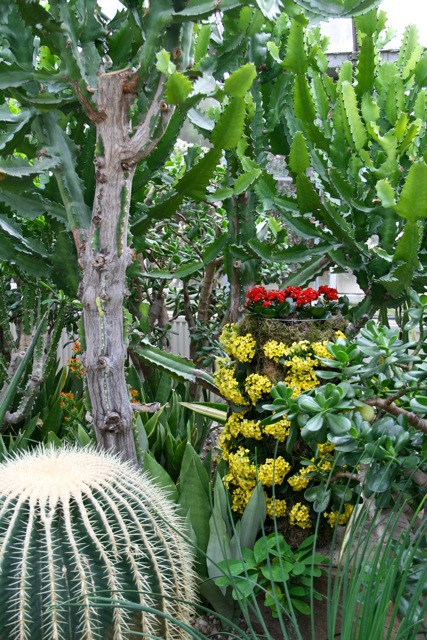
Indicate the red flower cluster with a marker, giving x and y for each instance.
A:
(295, 302)
(267, 298)
(299, 296)
(328, 292)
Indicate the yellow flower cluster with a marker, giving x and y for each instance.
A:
(275, 350)
(299, 515)
(240, 498)
(256, 386)
(301, 375)
(237, 425)
(273, 471)
(251, 429)
(242, 475)
(339, 335)
(241, 471)
(333, 518)
(242, 348)
(320, 350)
(226, 382)
(326, 447)
(299, 481)
(279, 430)
(232, 426)
(325, 465)
(275, 508)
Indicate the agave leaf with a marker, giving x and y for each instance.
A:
(177, 367)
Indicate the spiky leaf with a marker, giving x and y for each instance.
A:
(240, 81)
(229, 128)
(178, 88)
(412, 203)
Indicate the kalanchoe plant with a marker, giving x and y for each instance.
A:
(295, 303)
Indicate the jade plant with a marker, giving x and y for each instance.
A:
(80, 529)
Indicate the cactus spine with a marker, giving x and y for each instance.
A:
(76, 525)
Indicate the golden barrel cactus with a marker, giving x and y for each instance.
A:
(77, 525)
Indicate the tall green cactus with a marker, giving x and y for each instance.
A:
(76, 525)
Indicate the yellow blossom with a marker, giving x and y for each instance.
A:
(300, 516)
(333, 518)
(275, 350)
(275, 508)
(256, 386)
(326, 447)
(241, 471)
(240, 498)
(301, 375)
(273, 471)
(320, 350)
(299, 481)
(279, 430)
(242, 348)
(325, 465)
(339, 335)
(226, 382)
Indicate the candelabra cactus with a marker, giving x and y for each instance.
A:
(76, 525)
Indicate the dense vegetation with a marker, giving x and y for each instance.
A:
(111, 225)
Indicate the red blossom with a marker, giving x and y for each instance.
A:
(259, 297)
(328, 292)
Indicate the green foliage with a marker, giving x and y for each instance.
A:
(166, 433)
(285, 577)
(83, 546)
(380, 576)
(356, 153)
(367, 416)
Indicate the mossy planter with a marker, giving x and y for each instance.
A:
(288, 331)
(263, 352)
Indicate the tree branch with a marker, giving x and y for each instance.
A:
(142, 142)
(392, 408)
(93, 114)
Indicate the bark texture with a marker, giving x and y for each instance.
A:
(105, 257)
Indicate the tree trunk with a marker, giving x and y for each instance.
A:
(104, 259)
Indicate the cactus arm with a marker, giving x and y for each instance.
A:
(4, 320)
(151, 129)
(8, 392)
